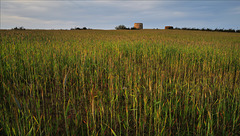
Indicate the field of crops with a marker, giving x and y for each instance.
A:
(138, 82)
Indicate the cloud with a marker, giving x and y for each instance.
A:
(235, 10)
(107, 14)
(77, 12)
(33, 23)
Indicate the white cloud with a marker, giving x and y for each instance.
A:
(179, 14)
(235, 10)
(13, 21)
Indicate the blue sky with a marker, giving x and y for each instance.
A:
(106, 14)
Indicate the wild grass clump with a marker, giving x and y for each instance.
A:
(119, 83)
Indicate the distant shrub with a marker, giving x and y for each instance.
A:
(218, 30)
(133, 28)
(208, 29)
(229, 30)
(78, 28)
(121, 27)
(168, 27)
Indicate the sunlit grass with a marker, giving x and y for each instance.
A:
(152, 82)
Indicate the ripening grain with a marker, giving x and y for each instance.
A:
(152, 82)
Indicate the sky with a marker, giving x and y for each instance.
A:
(107, 14)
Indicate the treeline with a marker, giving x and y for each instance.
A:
(75, 28)
(123, 27)
(19, 28)
(208, 29)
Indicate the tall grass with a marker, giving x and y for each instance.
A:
(152, 82)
